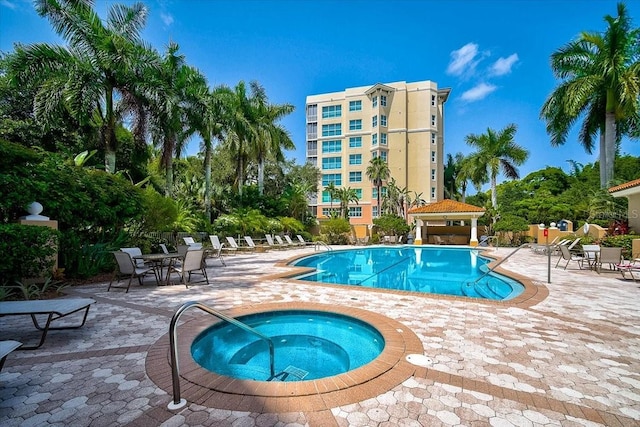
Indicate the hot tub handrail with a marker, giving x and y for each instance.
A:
(173, 339)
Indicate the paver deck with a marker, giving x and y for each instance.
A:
(567, 355)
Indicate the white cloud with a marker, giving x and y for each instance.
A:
(478, 92)
(7, 3)
(462, 60)
(167, 18)
(503, 65)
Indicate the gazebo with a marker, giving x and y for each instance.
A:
(447, 210)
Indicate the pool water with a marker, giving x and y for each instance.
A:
(308, 345)
(446, 271)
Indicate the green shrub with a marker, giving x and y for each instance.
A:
(623, 241)
(393, 225)
(28, 251)
(336, 231)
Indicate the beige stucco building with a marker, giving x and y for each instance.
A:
(630, 190)
(400, 122)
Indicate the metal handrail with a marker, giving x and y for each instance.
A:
(323, 244)
(486, 273)
(177, 402)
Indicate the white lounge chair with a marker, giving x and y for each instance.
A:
(250, 243)
(6, 347)
(290, 242)
(281, 242)
(215, 242)
(271, 243)
(54, 309)
(302, 241)
(233, 244)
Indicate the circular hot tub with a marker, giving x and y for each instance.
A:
(308, 345)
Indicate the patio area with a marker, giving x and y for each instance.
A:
(566, 357)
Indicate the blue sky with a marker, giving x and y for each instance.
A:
(494, 55)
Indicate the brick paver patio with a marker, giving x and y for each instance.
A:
(567, 355)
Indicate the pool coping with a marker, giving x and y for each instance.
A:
(207, 388)
(533, 293)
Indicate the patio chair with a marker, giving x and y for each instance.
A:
(574, 243)
(193, 262)
(134, 252)
(234, 245)
(271, 243)
(305, 243)
(127, 268)
(591, 253)
(629, 267)
(568, 256)
(438, 240)
(250, 243)
(610, 256)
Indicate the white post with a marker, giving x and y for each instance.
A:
(418, 240)
(474, 232)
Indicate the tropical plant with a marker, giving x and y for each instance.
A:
(496, 152)
(346, 195)
(333, 192)
(451, 171)
(336, 231)
(389, 224)
(601, 82)
(378, 171)
(85, 78)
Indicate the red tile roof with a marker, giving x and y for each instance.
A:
(626, 185)
(444, 206)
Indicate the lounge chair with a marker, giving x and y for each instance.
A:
(629, 267)
(573, 244)
(193, 261)
(271, 243)
(304, 242)
(126, 268)
(281, 242)
(7, 347)
(250, 243)
(233, 244)
(54, 309)
(438, 240)
(215, 243)
(568, 256)
(290, 242)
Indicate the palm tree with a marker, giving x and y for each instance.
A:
(241, 130)
(346, 195)
(470, 171)
(270, 136)
(378, 171)
(495, 153)
(451, 170)
(92, 72)
(332, 190)
(601, 81)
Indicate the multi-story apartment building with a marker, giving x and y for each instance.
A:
(401, 122)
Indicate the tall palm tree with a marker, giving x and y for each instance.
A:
(88, 76)
(496, 152)
(241, 129)
(470, 171)
(270, 136)
(451, 170)
(601, 81)
(378, 171)
(346, 195)
(332, 190)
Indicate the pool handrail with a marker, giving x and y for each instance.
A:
(489, 271)
(177, 402)
(320, 243)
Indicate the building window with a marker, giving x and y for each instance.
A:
(312, 130)
(355, 211)
(326, 198)
(383, 120)
(433, 138)
(355, 124)
(383, 155)
(355, 177)
(333, 146)
(374, 211)
(355, 159)
(355, 142)
(383, 192)
(374, 101)
(383, 139)
(433, 193)
(374, 139)
(359, 193)
(433, 174)
(433, 156)
(433, 100)
(328, 178)
(332, 163)
(383, 100)
(331, 111)
(327, 211)
(433, 120)
(332, 129)
(374, 155)
(355, 105)
(374, 121)
(312, 112)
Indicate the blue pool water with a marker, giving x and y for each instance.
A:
(447, 271)
(308, 345)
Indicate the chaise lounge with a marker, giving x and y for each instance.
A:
(54, 309)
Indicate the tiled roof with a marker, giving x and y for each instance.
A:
(626, 185)
(444, 206)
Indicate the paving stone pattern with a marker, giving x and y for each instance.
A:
(571, 358)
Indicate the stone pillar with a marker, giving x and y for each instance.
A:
(418, 240)
(474, 232)
(34, 218)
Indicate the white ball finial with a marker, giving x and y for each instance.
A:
(35, 208)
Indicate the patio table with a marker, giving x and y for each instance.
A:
(157, 262)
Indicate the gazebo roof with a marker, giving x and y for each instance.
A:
(448, 207)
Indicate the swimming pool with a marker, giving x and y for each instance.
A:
(308, 345)
(426, 269)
